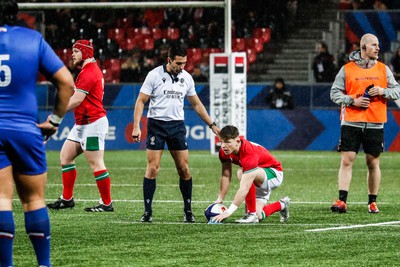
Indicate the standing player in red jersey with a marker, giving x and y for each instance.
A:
(259, 174)
(89, 132)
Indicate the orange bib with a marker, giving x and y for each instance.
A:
(357, 79)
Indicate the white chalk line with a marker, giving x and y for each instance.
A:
(353, 226)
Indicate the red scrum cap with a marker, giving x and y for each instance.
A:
(86, 47)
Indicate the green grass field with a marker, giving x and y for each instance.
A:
(356, 238)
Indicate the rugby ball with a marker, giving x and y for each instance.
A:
(213, 210)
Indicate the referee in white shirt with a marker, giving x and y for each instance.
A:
(166, 87)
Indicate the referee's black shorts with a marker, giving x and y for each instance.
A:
(159, 132)
(351, 138)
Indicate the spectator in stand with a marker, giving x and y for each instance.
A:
(130, 68)
(356, 4)
(279, 97)
(323, 64)
(173, 17)
(198, 75)
(395, 65)
(343, 57)
(379, 5)
(345, 4)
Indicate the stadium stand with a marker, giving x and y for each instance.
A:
(118, 32)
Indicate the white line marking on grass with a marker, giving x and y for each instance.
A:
(228, 223)
(205, 201)
(126, 185)
(352, 226)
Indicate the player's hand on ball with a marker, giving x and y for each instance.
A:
(221, 217)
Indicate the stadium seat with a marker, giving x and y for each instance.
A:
(129, 43)
(251, 55)
(107, 74)
(207, 51)
(194, 55)
(146, 32)
(111, 70)
(125, 22)
(64, 54)
(255, 43)
(134, 33)
(156, 33)
(117, 34)
(263, 33)
(172, 33)
(41, 78)
(28, 19)
(189, 67)
(114, 65)
(238, 44)
(147, 44)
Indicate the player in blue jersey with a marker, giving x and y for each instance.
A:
(23, 52)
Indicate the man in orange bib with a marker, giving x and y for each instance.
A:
(362, 88)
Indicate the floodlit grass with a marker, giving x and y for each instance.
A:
(118, 239)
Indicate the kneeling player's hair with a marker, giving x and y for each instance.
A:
(228, 132)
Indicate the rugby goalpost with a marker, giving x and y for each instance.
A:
(228, 70)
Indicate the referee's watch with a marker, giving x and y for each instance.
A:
(212, 124)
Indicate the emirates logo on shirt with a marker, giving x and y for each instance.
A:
(172, 94)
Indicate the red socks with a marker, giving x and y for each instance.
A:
(271, 208)
(68, 180)
(103, 182)
(251, 206)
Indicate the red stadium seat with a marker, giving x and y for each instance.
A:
(117, 34)
(147, 44)
(64, 54)
(172, 33)
(129, 43)
(146, 32)
(255, 43)
(251, 55)
(107, 74)
(41, 78)
(238, 44)
(125, 23)
(111, 68)
(207, 51)
(189, 67)
(194, 55)
(263, 33)
(157, 33)
(28, 19)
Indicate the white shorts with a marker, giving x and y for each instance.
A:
(90, 136)
(273, 179)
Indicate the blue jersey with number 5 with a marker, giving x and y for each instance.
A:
(23, 53)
